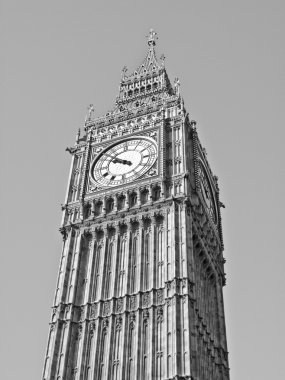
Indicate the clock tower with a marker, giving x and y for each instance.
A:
(139, 293)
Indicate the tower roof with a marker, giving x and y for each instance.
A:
(150, 63)
(147, 80)
(146, 87)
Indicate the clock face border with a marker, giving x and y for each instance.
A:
(207, 194)
(153, 150)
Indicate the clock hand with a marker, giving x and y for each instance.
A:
(120, 161)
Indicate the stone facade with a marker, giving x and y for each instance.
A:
(139, 292)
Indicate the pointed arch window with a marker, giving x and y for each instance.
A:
(156, 193)
(88, 210)
(145, 196)
(98, 208)
(110, 205)
(133, 199)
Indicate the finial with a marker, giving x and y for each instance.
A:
(177, 85)
(90, 113)
(152, 37)
(77, 136)
(124, 70)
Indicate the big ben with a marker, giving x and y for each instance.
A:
(139, 293)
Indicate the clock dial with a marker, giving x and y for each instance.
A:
(207, 193)
(124, 162)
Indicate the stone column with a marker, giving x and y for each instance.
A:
(74, 267)
(140, 254)
(168, 251)
(61, 367)
(81, 346)
(86, 366)
(104, 206)
(62, 274)
(100, 285)
(49, 353)
(176, 337)
(127, 205)
(153, 259)
(115, 202)
(150, 194)
(184, 266)
(123, 349)
(114, 261)
(88, 287)
(93, 207)
(127, 275)
(139, 196)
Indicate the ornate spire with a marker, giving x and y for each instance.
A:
(150, 64)
(147, 83)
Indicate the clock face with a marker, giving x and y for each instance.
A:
(124, 162)
(207, 193)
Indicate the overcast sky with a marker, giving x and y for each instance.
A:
(57, 57)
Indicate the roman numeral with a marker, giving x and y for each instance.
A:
(145, 148)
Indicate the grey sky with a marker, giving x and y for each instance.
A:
(60, 56)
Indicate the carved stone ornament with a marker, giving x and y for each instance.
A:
(82, 313)
(119, 322)
(153, 135)
(152, 172)
(120, 305)
(92, 328)
(105, 322)
(133, 302)
(107, 308)
(74, 372)
(132, 317)
(145, 314)
(94, 188)
(67, 310)
(94, 310)
(160, 297)
(160, 314)
(98, 149)
(146, 299)
(79, 332)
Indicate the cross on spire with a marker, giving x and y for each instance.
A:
(152, 37)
